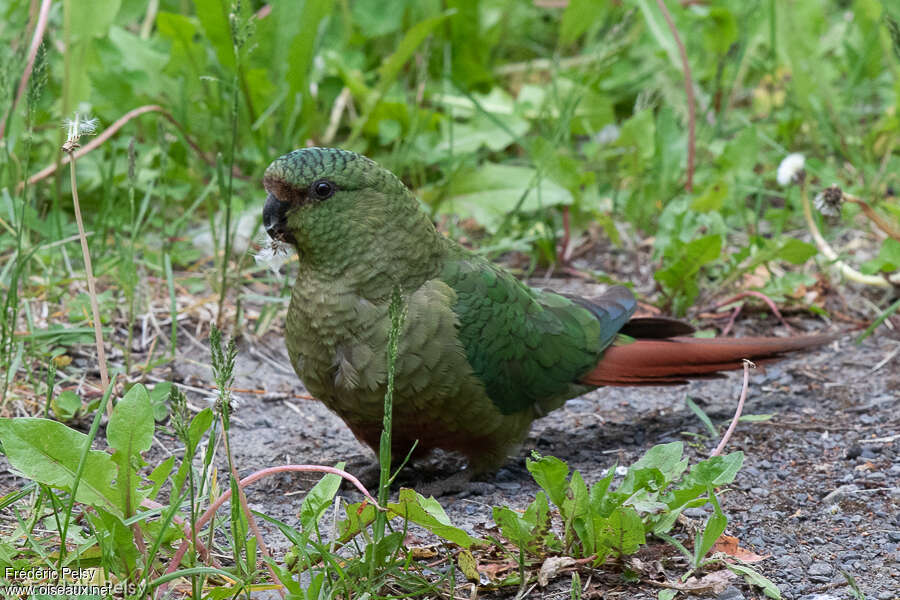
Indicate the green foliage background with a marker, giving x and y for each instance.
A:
(504, 111)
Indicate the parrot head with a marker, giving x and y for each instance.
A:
(340, 209)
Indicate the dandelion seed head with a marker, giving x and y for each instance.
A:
(273, 254)
(790, 169)
(79, 126)
(829, 201)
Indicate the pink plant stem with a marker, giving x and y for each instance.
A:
(40, 28)
(737, 413)
(206, 516)
(689, 90)
(108, 133)
(769, 302)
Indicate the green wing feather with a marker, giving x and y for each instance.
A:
(529, 347)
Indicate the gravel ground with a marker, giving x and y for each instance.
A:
(818, 493)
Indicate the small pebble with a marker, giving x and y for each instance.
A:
(731, 593)
(819, 572)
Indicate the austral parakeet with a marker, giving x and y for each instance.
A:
(481, 354)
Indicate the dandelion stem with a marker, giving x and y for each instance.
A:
(92, 292)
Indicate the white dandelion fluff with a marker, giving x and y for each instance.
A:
(790, 168)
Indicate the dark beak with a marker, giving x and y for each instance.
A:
(275, 219)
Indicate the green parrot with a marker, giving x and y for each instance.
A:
(481, 354)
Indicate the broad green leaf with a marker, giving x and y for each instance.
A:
(551, 474)
(318, 499)
(48, 452)
(715, 470)
(213, 16)
(665, 457)
(374, 18)
(302, 47)
(715, 527)
(200, 424)
(623, 531)
(578, 17)
(494, 133)
(130, 428)
(712, 197)
(130, 432)
(159, 397)
(428, 513)
(66, 405)
(490, 193)
(116, 541)
(888, 259)
(797, 251)
(390, 68)
(93, 21)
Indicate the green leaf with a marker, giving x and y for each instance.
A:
(623, 531)
(302, 47)
(66, 405)
(374, 19)
(213, 16)
(159, 475)
(551, 474)
(130, 432)
(318, 499)
(756, 418)
(796, 251)
(482, 131)
(712, 197)
(93, 21)
(666, 458)
(679, 277)
(715, 527)
(578, 17)
(390, 68)
(753, 578)
(428, 513)
(490, 193)
(159, 396)
(715, 471)
(888, 259)
(704, 418)
(200, 424)
(48, 452)
(130, 428)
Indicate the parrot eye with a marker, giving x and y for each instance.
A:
(322, 189)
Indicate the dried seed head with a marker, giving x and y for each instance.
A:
(829, 201)
(77, 127)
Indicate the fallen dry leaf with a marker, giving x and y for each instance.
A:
(551, 568)
(711, 583)
(729, 545)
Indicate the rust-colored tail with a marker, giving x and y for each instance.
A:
(678, 359)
